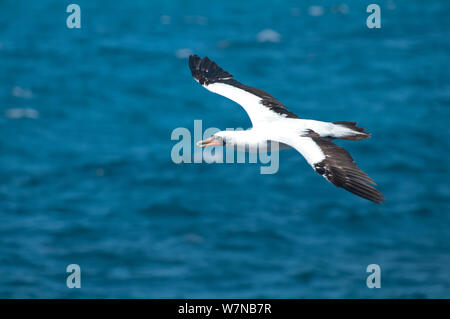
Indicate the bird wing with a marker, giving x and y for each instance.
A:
(335, 164)
(259, 105)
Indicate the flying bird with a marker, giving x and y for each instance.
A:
(272, 122)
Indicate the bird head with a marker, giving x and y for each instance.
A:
(217, 139)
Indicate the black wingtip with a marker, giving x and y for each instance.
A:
(206, 71)
(364, 191)
(194, 62)
(340, 169)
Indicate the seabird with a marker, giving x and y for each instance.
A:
(272, 122)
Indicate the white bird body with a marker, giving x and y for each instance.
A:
(272, 122)
(277, 131)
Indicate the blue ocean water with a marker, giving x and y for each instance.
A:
(86, 117)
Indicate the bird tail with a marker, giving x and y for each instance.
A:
(349, 131)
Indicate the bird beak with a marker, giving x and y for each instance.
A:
(212, 141)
